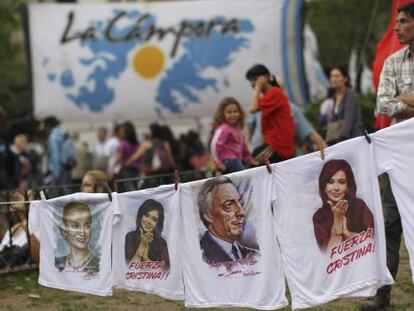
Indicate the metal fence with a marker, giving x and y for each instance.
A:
(138, 183)
(15, 241)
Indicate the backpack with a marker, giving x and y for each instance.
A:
(68, 152)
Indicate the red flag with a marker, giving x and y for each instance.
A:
(388, 45)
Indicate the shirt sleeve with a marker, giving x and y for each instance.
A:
(381, 153)
(387, 104)
(220, 142)
(34, 227)
(393, 151)
(272, 102)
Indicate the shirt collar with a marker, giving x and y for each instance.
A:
(226, 246)
(408, 53)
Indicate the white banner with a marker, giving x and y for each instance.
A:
(147, 60)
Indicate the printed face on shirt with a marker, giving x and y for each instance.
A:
(404, 28)
(337, 187)
(77, 227)
(227, 214)
(232, 114)
(149, 221)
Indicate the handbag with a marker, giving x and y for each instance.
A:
(333, 131)
(261, 153)
(14, 255)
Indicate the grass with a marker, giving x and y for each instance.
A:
(20, 291)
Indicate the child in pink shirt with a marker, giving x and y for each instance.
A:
(228, 146)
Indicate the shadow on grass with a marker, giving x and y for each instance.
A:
(20, 291)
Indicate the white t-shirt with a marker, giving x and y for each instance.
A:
(19, 239)
(99, 159)
(394, 154)
(243, 267)
(111, 152)
(75, 242)
(147, 242)
(327, 257)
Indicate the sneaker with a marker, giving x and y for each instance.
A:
(378, 302)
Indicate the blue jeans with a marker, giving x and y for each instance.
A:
(233, 165)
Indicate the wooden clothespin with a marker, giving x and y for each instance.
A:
(267, 163)
(176, 179)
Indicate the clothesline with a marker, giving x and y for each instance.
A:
(42, 197)
(15, 202)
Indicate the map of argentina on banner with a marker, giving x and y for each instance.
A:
(147, 60)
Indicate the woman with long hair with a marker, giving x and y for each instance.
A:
(346, 111)
(127, 147)
(145, 242)
(343, 215)
(155, 152)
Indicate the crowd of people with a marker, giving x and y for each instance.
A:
(271, 129)
(63, 159)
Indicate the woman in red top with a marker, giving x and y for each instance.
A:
(278, 127)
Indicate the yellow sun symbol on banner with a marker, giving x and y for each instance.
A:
(148, 61)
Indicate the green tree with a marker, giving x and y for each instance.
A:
(13, 86)
(342, 25)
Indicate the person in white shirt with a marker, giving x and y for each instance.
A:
(222, 212)
(99, 159)
(111, 149)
